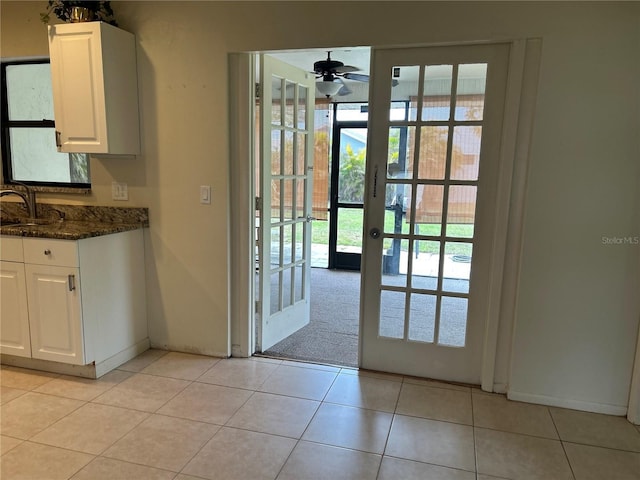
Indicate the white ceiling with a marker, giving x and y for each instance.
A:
(359, 57)
(304, 59)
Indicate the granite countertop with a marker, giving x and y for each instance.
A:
(71, 222)
(67, 229)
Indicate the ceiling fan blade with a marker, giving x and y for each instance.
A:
(346, 69)
(356, 76)
(344, 90)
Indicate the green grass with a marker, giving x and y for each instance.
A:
(350, 232)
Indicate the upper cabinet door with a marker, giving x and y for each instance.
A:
(95, 88)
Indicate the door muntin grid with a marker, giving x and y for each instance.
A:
(288, 195)
(430, 200)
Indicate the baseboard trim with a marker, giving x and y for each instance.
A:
(121, 357)
(500, 388)
(605, 408)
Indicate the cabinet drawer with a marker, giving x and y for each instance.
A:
(11, 249)
(46, 251)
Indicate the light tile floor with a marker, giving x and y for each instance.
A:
(187, 417)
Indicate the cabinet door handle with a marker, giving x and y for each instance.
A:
(72, 283)
(58, 141)
(47, 252)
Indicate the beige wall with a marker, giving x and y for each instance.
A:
(577, 315)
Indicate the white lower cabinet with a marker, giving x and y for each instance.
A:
(14, 316)
(74, 302)
(55, 314)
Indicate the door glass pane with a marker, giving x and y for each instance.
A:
(437, 92)
(433, 152)
(472, 79)
(302, 107)
(400, 152)
(457, 267)
(299, 241)
(301, 139)
(275, 247)
(453, 321)
(350, 230)
(276, 149)
(409, 76)
(399, 111)
(461, 210)
(353, 149)
(425, 264)
(274, 304)
(465, 157)
(276, 105)
(275, 200)
(429, 209)
(287, 288)
(287, 204)
(288, 153)
(422, 317)
(397, 198)
(300, 209)
(352, 111)
(395, 262)
(289, 245)
(391, 314)
(299, 288)
(290, 92)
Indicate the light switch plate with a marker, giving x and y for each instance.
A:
(205, 194)
(119, 191)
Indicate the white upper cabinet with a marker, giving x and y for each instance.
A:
(95, 88)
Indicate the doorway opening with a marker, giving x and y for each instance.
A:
(335, 212)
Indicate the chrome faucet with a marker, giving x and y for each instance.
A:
(28, 197)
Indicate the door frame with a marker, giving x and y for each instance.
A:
(522, 81)
(334, 203)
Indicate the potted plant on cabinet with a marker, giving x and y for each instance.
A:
(79, 11)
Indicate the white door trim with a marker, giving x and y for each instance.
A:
(633, 412)
(242, 205)
(522, 82)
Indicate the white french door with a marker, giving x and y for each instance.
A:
(286, 134)
(430, 208)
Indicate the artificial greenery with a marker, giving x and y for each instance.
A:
(62, 9)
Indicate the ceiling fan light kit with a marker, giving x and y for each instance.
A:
(328, 88)
(332, 73)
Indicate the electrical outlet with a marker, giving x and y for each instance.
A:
(119, 191)
(205, 194)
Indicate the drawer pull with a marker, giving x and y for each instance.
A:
(47, 252)
(72, 282)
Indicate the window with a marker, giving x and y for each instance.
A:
(29, 153)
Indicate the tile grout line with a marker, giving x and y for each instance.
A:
(564, 450)
(393, 419)
(225, 425)
(473, 432)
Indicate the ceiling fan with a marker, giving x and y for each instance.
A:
(332, 73)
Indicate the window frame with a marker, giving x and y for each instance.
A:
(6, 125)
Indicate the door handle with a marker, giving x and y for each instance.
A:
(374, 232)
(72, 282)
(308, 218)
